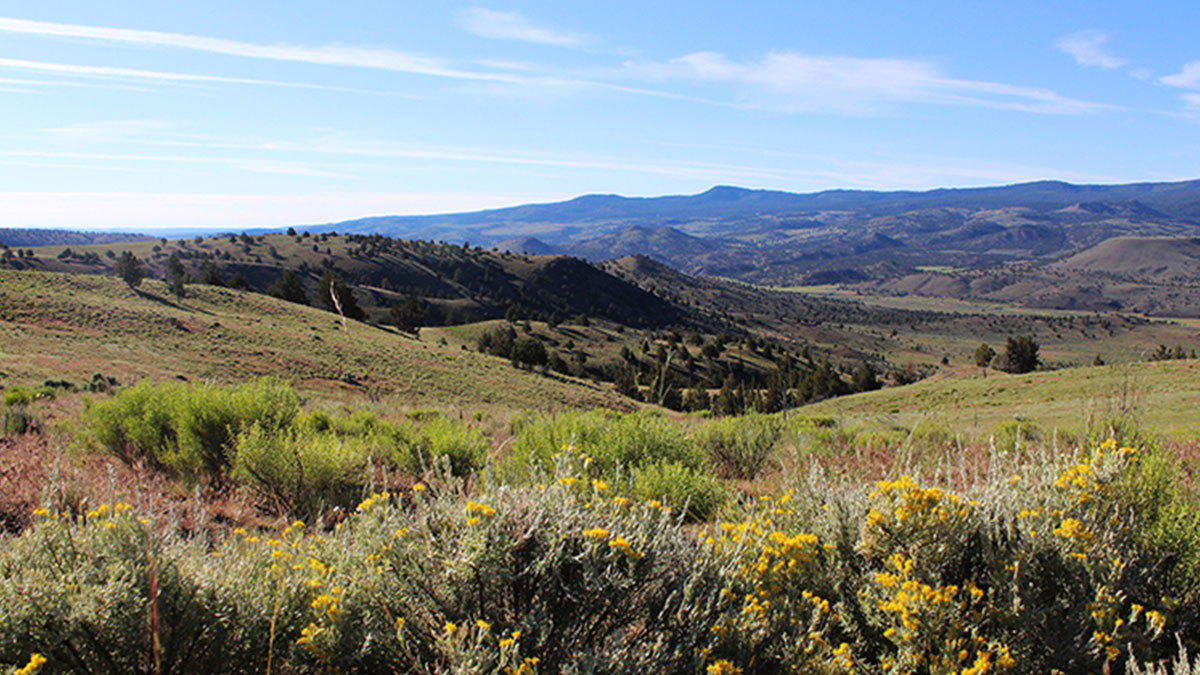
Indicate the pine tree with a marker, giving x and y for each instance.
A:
(211, 274)
(345, 296)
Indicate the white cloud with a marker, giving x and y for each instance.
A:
(50, 158)
(1087, 48)
(793, 82)
(513, 26)
(1188, 77)
(783, 81)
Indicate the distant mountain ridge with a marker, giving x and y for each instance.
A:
(774, 237)
(38, 237)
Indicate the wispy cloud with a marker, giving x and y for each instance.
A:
(1191, 102)
(110, 72)
(513, 26)
(287, 169)
(794, 82)
(108, 130)
(330, 55)
(51, 158)
(785, 81)
(1087, 48)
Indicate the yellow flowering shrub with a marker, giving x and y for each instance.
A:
(1040, 567)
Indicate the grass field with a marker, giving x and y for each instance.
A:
(1162, 395)
(72, 326)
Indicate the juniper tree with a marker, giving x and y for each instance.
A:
(130, 269)
(175, 275)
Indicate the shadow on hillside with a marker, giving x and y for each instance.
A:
(168, 303)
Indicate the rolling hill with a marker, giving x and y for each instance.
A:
(1156, 276)
(73, 326)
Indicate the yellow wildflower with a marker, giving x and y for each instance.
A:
(36, 661)
(723, 667)
(624, 546)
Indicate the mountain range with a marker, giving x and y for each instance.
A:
(782, 238)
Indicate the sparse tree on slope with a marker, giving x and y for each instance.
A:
(1020, 354)
(175, 275)
(130, 269)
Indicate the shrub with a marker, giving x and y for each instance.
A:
(105, 594)
(188, 430)
(740, 447)
(17, 420)
(1044, 570)
(612, 441)
(302, 472)
(1012, 435)
(525, 577)
(443, 439)
(18, 396)
(700, 495)
(1043, 566)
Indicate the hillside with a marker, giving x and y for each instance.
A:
(72, 326)
(1155, 276)
(1158, 259)
(1156, 396)
(456, 284)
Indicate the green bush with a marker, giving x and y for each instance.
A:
(681, 487)
(441, 439)
(302, 472)
(612, 441)
(1011, 435)
(17, 420)
(188, 429)
(18, 396)
(740, 447)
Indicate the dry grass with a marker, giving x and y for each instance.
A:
(72, 326)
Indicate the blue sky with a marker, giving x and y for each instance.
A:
(238, 114)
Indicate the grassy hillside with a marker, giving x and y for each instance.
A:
(456, 284)
(1161, 396)
(71, 326)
